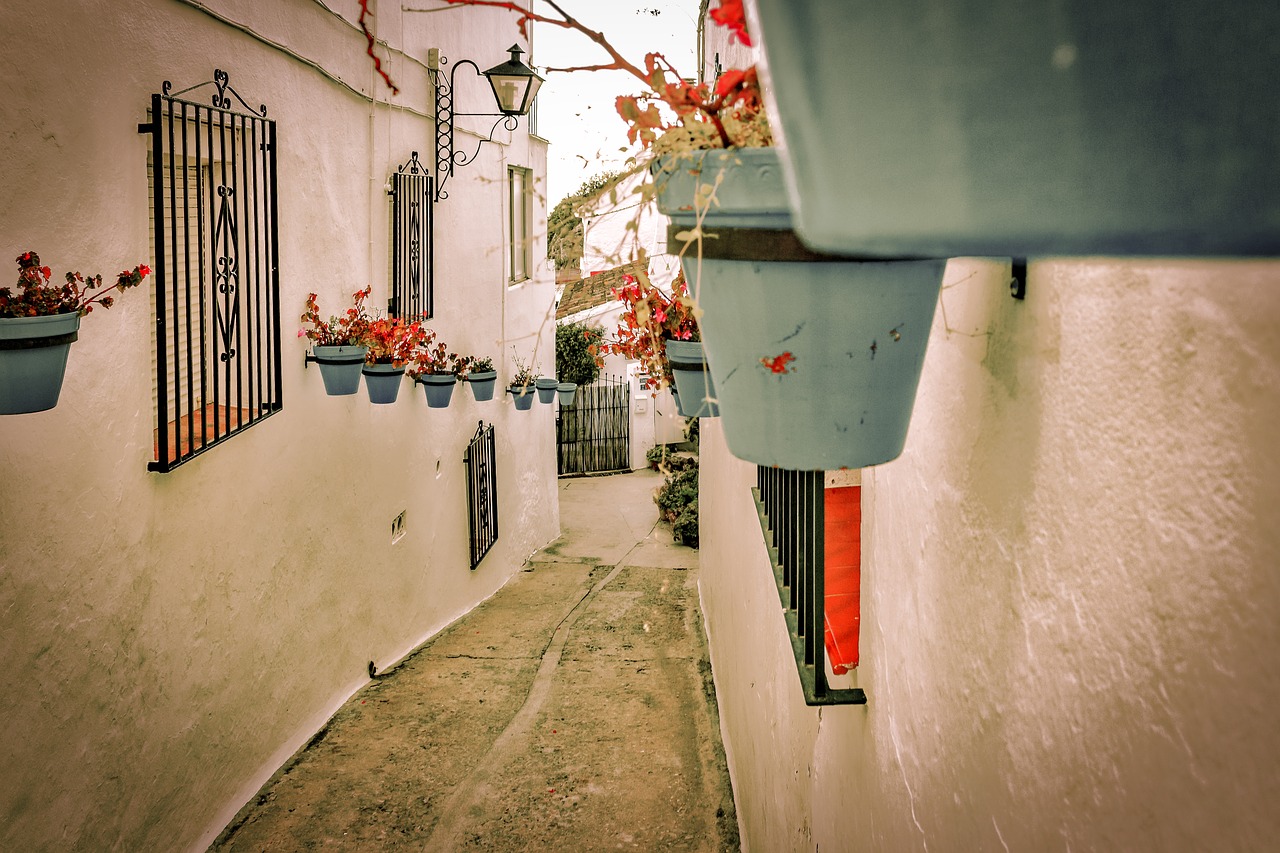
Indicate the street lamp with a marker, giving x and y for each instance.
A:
(514, 85)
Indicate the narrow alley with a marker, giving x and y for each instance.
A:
(572, 711)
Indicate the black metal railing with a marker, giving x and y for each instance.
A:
(792, 509)
(593, 435)
(216, 287)
(412, 248)
(482, 492)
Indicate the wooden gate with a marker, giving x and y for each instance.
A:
(594, 434)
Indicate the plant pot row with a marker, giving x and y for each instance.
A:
(546, 390)
(342, 366)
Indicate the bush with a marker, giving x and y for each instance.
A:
(691, 432)
(677, 497)
(676, 493)
(685, 527)
(662, 458)
(575, 361)
(654, 455)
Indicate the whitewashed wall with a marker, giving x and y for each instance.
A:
(169, 640)
(1070, 588)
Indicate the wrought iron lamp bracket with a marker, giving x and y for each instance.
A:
(446, 157)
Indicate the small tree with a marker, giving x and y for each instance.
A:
(575, 352)
(565, 232)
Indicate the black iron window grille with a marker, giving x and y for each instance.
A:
(482, 492)
(216, 296)
(412, 219)
(792, 512)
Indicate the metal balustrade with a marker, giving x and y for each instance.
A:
(482, 492)
(791, 506)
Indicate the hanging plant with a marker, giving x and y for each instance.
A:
(38, 323)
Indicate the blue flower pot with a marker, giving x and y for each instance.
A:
(438, 388)
(522, 396)
(815, 359)
(33, 361)
(1095, 128)
(382, 381)
(546, 389)
(483, 385)
(340, 368)
(566, 391)
(694, 392)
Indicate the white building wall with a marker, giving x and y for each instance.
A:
(169, 640)
(1070, 588)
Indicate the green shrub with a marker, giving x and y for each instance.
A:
(685, 527)
(564, 226)
(679, 490)
(662, 458)
(655, 455)
(575, 361)
(691, 430)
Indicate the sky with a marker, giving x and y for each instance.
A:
(576, 111)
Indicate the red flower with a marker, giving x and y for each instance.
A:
(730, 15)
(778, 363)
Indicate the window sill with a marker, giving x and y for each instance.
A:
(212, 423)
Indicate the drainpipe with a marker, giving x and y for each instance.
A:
(373, 177)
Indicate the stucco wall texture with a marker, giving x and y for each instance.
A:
(1070, 583)
(169, 640)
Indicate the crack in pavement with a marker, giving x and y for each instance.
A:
(445, 835)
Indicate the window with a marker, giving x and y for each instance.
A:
(215, 300)
(482, 492)
(520, 205)
(794, 508)
(412, 280)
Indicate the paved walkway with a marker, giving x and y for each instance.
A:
(573, 711)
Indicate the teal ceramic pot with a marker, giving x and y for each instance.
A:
(33, 361)
(935, 128)
(816, 365)
(815, 359)
(382, 381)
(696, 391)
(523, 396)
(438, 388)
(482, 385)
(546, 389)
(566, 391)
(340, 368)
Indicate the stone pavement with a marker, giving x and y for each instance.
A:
(573, 711)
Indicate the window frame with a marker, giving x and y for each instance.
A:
(519, 225)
